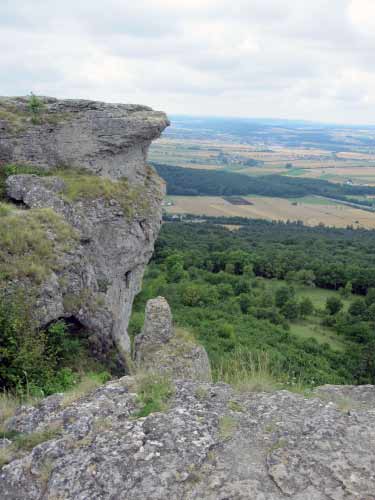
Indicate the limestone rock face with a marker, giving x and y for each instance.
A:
(160, 348)
(96, 281)
(107, 139)
(212, 443)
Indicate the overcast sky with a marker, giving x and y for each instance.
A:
(309, 59)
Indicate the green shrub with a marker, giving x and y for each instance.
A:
(35, 107)
(333, 305)
(35, 362)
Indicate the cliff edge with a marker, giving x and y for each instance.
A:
(92, 198)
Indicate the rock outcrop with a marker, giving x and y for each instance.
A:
(162, 349)
(212, 443)
(107, 139)
(103, 188)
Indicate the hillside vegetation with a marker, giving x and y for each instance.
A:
(295, 302)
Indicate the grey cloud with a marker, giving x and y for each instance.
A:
(304, 59)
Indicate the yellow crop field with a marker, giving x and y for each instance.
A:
(311, 212)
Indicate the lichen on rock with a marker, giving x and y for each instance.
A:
(278, 446)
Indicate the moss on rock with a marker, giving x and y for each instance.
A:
(82, 185)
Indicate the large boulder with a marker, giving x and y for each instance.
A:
(163, 349)
(211, 443)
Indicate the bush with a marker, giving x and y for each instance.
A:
(283, 295)
(291, 310)
(33, 361)
(306, 307)
(35, 107)
(358, 308)
(333, 305)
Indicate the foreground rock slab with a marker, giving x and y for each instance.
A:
(212, 443)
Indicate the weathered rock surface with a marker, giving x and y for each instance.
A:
(107, 139)
(162, 349)
(212, 443)
(96, 281)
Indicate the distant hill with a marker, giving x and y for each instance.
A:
(287, 133)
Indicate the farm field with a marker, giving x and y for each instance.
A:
(357, 167)
(310, 210)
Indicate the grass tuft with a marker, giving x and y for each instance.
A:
(87, 384)
(8, 407)
(24, 443)
(227, 427)
(154, 392)
(234, 406)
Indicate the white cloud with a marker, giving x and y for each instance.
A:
(362, 15)
(309, 59)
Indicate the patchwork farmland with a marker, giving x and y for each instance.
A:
(311, 210)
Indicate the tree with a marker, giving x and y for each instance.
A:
(306, 307)
(371, 313)
(346, 291)
(283, 294)
(174, 265)
(291, 309)
(191, 296)
(370, 297)
(333, 305)
(245, 301)
(358, 308)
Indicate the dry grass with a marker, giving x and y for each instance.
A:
(248, 372)
(87, 384)
(30, 242)
(8, 407)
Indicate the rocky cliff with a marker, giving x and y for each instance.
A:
(94, 180)
(78, 235)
